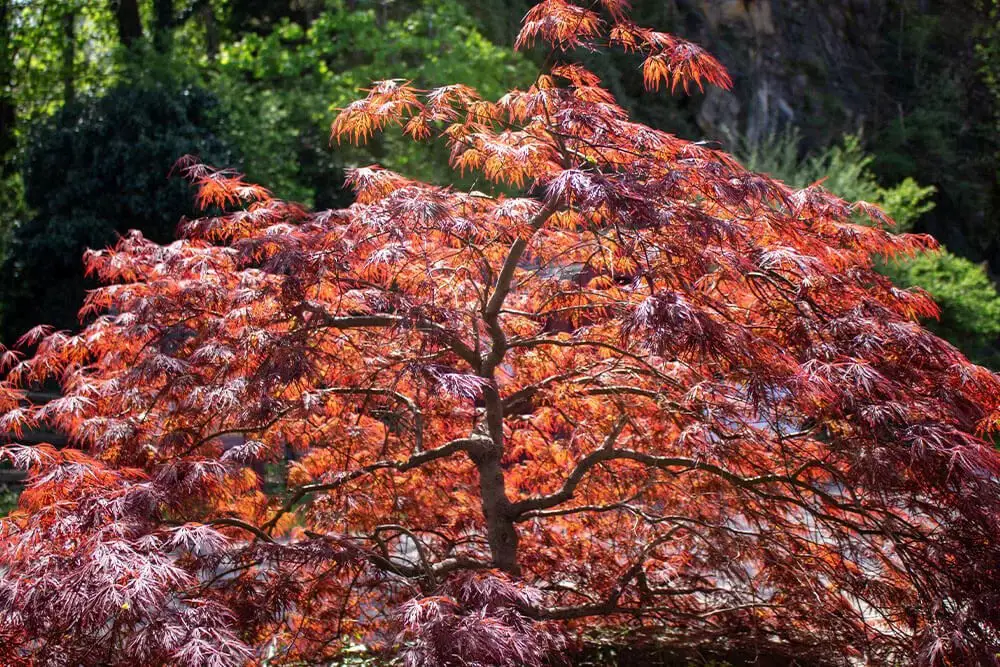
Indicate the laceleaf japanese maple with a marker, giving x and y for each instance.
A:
(653, 391)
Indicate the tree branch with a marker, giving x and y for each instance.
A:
(468, 445)
(465, 352)
(418, 417)
(237, 523)
(667, 463)
(491, 312)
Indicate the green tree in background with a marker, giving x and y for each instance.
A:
(96, 169)
(942, 133)
(279, 69)
(281, 90)
(105, 123)
(844, 169)
(970, 304)
(50, 52)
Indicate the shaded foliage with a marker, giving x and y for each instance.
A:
(92, 172)
(943, 135)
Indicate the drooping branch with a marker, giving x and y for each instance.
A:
(469, 445)
(671, 464)
(465, 352)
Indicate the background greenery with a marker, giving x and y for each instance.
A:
(893, 101)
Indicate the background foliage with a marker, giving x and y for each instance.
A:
(919, 78)
(281, 90)
(94, 170)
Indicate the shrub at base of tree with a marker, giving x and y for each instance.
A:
(656, 392)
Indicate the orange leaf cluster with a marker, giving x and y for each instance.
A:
(651, 389)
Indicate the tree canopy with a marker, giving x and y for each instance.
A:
(899, 71)
(649, 389)
(969, 303)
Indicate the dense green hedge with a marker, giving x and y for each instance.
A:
(93, 171)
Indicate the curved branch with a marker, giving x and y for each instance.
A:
(602, 609)
(243, 525)
(425, 563)
(418, 417)
(667, 463)
(468, 445)
(465, 352)
(428, 570)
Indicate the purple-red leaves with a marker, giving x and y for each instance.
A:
(479, 621)
(651, 388)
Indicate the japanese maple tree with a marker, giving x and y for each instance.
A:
(654, 391)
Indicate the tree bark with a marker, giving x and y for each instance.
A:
(500, 530)
(163, 24)
(69, 57)
(8, 110)
(128, 21)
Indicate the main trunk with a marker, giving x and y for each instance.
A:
(500, 529)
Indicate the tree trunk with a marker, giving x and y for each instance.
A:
(500, 530)
(69, 57)
(211, 32)
(501, 533)
(128, 21)
(8, 111)
(163, 24)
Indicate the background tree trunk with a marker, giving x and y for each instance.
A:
(212, 37)
(8, 110)
(128, 21)
(69, 56)
(163, 24)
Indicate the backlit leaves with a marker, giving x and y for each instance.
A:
(647, 388)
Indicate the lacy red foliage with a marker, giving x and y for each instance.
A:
(655, 390)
